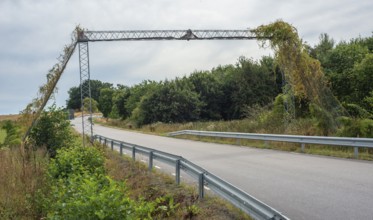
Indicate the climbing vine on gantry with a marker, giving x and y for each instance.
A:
(302, 72)
(31, 113)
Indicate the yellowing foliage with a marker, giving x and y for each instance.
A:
(302, 72)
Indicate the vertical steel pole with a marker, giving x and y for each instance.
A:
(150, 160)
(356, 152)
(121, 148)
(134, 152)
(85, 90)
(201, 185)
(177, 172)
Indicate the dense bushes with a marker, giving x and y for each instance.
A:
(11, 134)
(52, 131)
(81, 189)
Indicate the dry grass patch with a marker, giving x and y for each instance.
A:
(9, 117)
(21, 177)
(152, 185)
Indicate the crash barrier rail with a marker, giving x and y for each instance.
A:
(303, 140)
(239, 198)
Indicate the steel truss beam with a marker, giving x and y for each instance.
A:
(85, 90)
(166, 35)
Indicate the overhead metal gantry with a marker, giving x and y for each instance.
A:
(85, 36)
(165, 35)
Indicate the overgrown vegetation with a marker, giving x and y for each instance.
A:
(51, 176)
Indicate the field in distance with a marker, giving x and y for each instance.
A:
(9, 117)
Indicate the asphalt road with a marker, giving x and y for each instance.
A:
(298, 185)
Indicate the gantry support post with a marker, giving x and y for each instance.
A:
(85, 91)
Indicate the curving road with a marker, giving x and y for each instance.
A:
(298, 185)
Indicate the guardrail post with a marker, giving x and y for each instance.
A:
(105, 141)
(266, 144)
(302, 147)
(112, 145)
(134, 153)
(238, 141)
(356, 152)
(150, 160)
(177, 172)
(100, 139)
(201, 185)
(121, 149)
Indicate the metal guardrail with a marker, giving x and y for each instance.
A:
(239, 198)
(303, 140)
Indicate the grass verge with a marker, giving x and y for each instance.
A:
(243, 126)
(22, 175)
(152, 185)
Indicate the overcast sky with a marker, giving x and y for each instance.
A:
(33, 33)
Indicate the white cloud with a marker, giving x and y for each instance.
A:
(33, 34)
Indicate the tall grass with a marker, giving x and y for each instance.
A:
(21, 177)
(2, 136)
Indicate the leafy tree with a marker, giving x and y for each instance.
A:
(105, 103)
(120, 97)
(52, 131)
(209, 88)
(136, 93)
(322, 50)
(94, 104)
(173, 101)
(249, 83)
(74, 101)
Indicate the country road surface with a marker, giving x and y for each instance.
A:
(298, 185)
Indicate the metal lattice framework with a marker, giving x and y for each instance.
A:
(85, 36)
(166, 35)
(85, 90)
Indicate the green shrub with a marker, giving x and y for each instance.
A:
(323, 120)
(357, 111)
(12, 134)
(87, 196)
(355, 127)
(76, 160)
(52, 131)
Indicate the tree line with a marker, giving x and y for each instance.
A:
(228, 92)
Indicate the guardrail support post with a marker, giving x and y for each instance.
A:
(238, 141)
(134, 153)
(100, 139)
(302, 147)
(150, 160)
(177, 172)
(121, 149)
(356, 152)
(105, 141)
(112, 145)
(201, 186)
(266, 144)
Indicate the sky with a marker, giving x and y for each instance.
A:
(34, 32)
